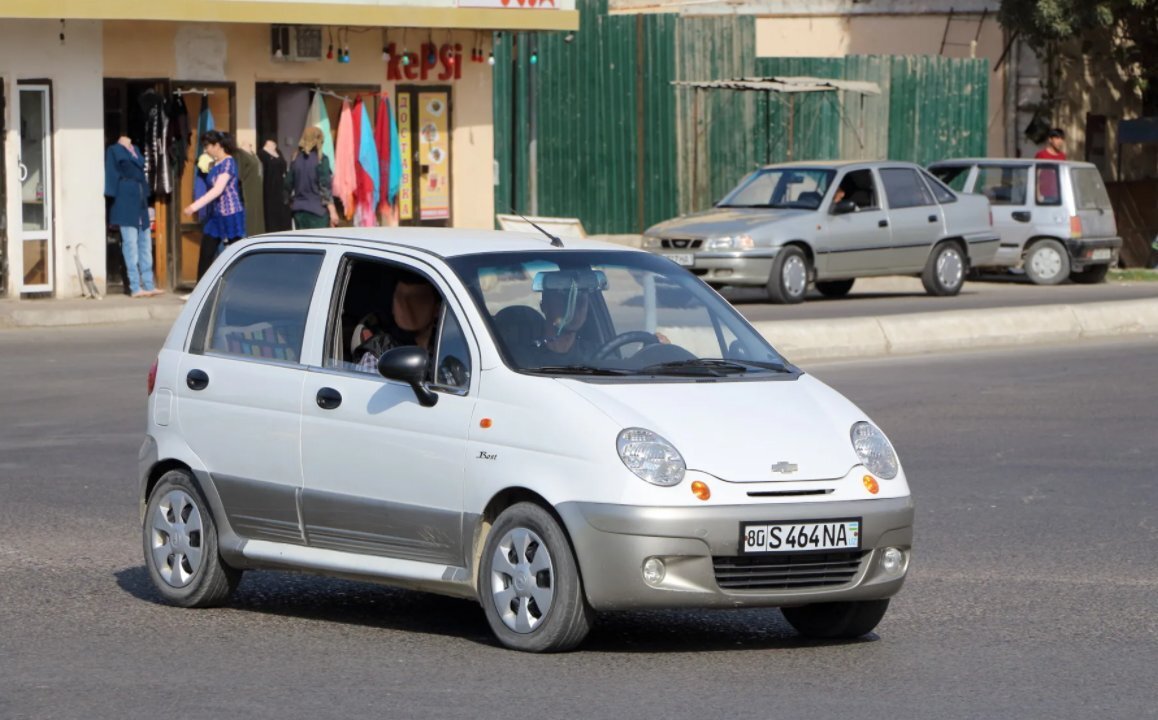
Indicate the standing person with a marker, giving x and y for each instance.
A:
(1055, 146)
(273, 170)
(126, 183)
(310, 184)
(226, 221)
(252, 197)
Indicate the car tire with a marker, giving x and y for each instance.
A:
(180, 543)
(838, 620)
(1047, 262)
(834, 288)
(1092, 275)
(788, 283)
(945, 271)
(527, 562)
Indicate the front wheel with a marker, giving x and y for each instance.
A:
(1091, 275)
(838, 620)
(788, 282)
(945, 271)
(834, 288)
(529, 583)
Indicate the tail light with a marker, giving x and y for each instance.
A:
(153, 376)
(1075, 226)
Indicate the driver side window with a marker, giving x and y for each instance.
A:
(859, 187)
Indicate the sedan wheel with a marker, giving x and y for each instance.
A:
(790, 272)
(1047, 262)
(529, 583)
(945, 271)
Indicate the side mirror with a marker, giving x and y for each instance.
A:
(844, 207)
(408, 365)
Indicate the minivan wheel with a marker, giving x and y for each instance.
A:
(180, 544)
(945, 270)
(838, 620)
(834, 288)
(529, 583)
(1092, 275)
(1047, 262)
(788, 283)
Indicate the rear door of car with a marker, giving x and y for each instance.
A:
(1007, 187)
(915, 217)
(239, 387)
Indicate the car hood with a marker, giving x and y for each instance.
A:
(737, 431)
(719, 222)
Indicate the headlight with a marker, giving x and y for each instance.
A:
(650, 457)
(650, 242)
(874, 450)
(720, 243)
(737, 242)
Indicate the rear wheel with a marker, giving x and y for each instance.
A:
(529, 583)
(788, 282)
(180, 544)
(945, 271)
(1091, 275)
(834, 288)
(1047, 262)
(838, 620)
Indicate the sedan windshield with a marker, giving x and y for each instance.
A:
(611, 314)
(781, 188)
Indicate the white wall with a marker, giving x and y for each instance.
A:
(32, 50)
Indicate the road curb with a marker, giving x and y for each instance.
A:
(917, 333)
(92, 315)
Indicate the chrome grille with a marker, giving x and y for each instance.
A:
(794, 571)
(681, 243)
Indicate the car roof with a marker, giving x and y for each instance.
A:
(441, 242)
(837, 164)
(1008, 161)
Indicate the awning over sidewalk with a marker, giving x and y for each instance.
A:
(785, 85)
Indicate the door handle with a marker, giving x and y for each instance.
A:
(329, 398)
(197, 380)
(933, 218)
(1021, 216)
(883, 223)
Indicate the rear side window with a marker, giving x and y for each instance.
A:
(1089, 190)
(1048, 185)
(952, 175)
(1003, 184)
(942, 193)
(259, 307)
(904, 188)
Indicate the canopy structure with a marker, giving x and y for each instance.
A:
(784, 87)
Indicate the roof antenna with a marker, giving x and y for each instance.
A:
(555, 241)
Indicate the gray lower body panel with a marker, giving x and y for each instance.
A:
(612, 542)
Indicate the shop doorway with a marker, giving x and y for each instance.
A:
(424, 125)
(36, 185)
(3, 192)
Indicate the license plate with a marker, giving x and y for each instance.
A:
(685, 259)
(1101, 254)
(810, 536)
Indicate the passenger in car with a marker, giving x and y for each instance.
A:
(415, 307)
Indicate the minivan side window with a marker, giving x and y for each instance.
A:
(1003, 184)
(259, 307)
(1048, 185)
(904, 188)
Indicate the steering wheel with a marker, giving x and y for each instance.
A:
(632, 336)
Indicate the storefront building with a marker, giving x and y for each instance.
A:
(259, 70)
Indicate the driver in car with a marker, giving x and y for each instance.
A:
(566, 312)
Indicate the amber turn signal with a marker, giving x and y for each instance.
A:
(870, 484)
(485, 423)
(701, 490)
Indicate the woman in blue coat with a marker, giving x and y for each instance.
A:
(125, 183)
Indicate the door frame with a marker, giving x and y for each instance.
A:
(415, 176)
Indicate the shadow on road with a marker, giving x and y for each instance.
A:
(312, 598)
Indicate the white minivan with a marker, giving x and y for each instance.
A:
(551, 428)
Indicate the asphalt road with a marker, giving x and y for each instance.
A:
(1032, 592)
(894, 295)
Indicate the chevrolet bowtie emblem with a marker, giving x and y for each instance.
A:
(785, 467)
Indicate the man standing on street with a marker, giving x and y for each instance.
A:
(1055, 146)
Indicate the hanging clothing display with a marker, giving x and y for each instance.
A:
(369, 172)
(319, 118)
(345, 161)
(178, 134)
(390, 161)
(126, 184)
(156, 142)
(252, 191)
(204, 125)
(277, 211)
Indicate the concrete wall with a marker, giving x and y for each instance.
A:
(240, 54)
(837, 36)
(32, 50)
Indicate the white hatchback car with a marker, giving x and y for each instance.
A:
(551, 431)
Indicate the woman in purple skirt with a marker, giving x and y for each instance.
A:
(225, 223)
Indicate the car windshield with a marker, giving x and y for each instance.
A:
(781, 188)
(613, 314)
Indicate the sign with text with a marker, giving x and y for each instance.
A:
(406, 189)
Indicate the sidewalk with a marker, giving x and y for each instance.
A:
(113, 309)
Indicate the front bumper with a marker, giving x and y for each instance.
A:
(1082, 251)
(612, 542)
(748, 267)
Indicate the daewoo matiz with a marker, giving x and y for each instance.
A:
(552, 429)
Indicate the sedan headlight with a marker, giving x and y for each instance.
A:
(874, 450)
(650, 242)
(735, 242)
(650, 457)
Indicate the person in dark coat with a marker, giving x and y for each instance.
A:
(126, 184)
(249, 175)
(310, 183)
(273, 170)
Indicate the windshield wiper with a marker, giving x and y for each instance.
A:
(716, 365)
(577, 370)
